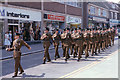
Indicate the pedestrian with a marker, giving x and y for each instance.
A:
(7, 40)
(10, 37)
(39, 33)
(46, 37)
(17, 44)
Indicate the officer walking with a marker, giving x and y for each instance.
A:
(16, 47)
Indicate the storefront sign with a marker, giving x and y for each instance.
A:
(2, 12)
(54, 17)
(19, 14)
(70, 19)
(114, 21)
(99, 19)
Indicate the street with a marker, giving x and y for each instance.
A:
(104, 65)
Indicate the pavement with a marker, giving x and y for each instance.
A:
(34, 48)
(104, 65)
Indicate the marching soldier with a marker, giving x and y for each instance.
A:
(73, 37)
(99, 40)
(86, 43)
(67, 43)
(79, 43)
(113, 35)
(17, 44)
(106, 39)
(91, 43)
(56, 37)
(46, 37)
(109, 37)
(63, 41)
(72, 44)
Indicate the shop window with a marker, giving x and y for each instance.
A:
(104, 13)
(92, 10)
(111, 15)
(30, 31)
(10, 21)
(115, 15)
(99, 12)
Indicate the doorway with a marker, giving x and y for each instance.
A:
(13, 29)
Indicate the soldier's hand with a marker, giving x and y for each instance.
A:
(29, 48)
(7, 49)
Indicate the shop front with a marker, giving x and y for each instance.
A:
(73, 21)
(1, 33)
(97, 22)
(54, 21)
(114, 22)
(27, 22)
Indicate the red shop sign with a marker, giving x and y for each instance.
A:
(54, 17)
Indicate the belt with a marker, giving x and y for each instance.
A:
(17, 49)
(86, 39)
(78, 39)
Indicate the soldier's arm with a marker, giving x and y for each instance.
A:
(10, 49)
(51, 38)
(42, 37)
(24, 43)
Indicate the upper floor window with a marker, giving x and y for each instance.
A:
(115, 15)
(92, 10)
(104, 13)
(99, 12)
(113, 6)
(111, 15)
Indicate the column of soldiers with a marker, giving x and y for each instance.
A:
(78, 41)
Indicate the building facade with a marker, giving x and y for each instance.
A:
(98, 15)
(114, 14)
(28, 17)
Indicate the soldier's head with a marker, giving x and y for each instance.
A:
(17, 36)
(94, 30)
(85, 30)
(64, 30)
(88, 30)
(56, 31)
(75, 30)
(71, 30)
(46, 30)
(110, 28)
(67, 30)
(104, 29)
(82, 30)
(79, 29)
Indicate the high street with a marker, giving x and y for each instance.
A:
(104, 65)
